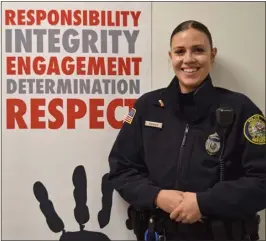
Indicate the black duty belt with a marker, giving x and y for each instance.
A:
(209, 229)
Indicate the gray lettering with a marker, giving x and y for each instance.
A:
(122, 86)
(39, 86)
(131, 39)
(49, 86)
(89, 38)
(39, 39)
(25, 40)
(106, 83)
(64, 86)
(134, 86)
(11, 86)
(73, 46)
(85, 86)
(113, 86)
(114, 34)
(31, 84)
(22, 86)
(96, 88)
(53, 40)
(103, 41)
(75, 86)
(9, 40)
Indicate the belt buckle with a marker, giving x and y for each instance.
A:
(161, 238)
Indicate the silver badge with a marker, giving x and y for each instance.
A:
(213, 144)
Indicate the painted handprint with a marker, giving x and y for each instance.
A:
(81, 211)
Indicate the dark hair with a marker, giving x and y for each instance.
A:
(192, 24)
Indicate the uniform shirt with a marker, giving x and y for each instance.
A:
(160, 147)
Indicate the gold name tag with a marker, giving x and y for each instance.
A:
(154, 124)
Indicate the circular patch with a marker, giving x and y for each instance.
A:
(213, 144)
(254, 129)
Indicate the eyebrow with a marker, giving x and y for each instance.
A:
(194, 46)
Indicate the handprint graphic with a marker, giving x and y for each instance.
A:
(81, 211)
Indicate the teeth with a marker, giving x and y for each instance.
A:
(190, 70)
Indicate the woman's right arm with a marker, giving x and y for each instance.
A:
(128, 172)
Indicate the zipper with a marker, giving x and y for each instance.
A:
(221, 158)
(180, 155)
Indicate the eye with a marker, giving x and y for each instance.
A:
(180, 51)
(199, 50)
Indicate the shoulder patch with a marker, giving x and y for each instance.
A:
(130, 116)
(254, 129)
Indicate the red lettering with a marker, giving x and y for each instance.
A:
(57, 114)
(96, 66)
(21, 17)
(40, 15)
(10, 17)
(67, 69)
(94, 18)
(95, 114)
(30, 16)
(10, 65)
(72, 114)
(13, 116)
(37, 67)
(124, 66)
(77, 17)
(51, 14)
(75, 109)
(80, 66)
(53, 67)
(36, 113)
(135, 17)
(23, 66)
(111, 113)
(136, 62)
(111, 66)
(124, 14)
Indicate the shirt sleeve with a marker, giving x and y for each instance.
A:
(128, 172)
(246, 195)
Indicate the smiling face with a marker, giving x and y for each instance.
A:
(192, 58)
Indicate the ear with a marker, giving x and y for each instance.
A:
(213, 54)
(170, 54)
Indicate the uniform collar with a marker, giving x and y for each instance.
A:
(204, 96)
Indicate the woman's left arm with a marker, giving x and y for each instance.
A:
(246, 195)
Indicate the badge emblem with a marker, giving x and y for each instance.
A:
(254, 129)
(213, 144)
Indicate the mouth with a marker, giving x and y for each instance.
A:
(190, 70)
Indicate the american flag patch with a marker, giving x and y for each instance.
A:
(130, 116)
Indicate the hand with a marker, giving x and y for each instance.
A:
(188, 211)
(81, 211)
(168, 200)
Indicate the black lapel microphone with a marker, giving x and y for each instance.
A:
(224, 119)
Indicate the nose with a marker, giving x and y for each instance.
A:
(188, 57)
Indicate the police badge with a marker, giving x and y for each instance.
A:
(254, 129)
(213, 144)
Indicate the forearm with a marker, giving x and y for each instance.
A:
(135, 188)
(231, 199)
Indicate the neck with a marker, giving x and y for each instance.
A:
(186, 89)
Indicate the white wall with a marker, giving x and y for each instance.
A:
(238, 31)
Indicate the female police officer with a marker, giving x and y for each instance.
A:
(193, 154)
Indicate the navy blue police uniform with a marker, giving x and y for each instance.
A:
(173, 141)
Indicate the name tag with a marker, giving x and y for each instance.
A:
(154, 124)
